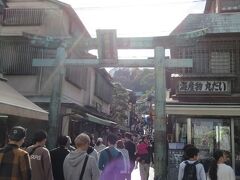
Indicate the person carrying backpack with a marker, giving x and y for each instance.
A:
(191, 169)
(111, 161)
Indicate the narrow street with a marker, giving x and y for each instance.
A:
(136, 174)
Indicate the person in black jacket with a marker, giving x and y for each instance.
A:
(58, 156)
(131, 147)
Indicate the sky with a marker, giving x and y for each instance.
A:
(135, 18)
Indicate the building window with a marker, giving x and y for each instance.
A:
(99, 107)
(229, 5)
(20, 17)
(220, 62)
(77, 76)
(103, 89)
(16, 56)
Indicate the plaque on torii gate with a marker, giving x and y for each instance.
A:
(107, 44)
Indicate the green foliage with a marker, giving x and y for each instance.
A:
(143, 108)
(119, 106)
(138, 80)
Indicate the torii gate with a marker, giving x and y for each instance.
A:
(107, 44)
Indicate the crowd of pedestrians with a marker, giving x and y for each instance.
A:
(85, 160)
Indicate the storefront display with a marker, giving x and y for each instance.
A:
(208, 135)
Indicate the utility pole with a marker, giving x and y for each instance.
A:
(107, 44)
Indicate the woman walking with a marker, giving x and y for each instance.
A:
(218, 169)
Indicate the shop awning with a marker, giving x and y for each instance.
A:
(203, 109)
(101, 121)
(13, 103)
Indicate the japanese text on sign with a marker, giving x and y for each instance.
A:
(203, 86)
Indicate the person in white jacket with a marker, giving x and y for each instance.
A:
(73, 163)
(126, 172)
(218, 169)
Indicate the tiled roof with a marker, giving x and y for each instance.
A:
(215, 23)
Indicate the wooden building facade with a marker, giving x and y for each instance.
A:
(205, 105)
(82, 87)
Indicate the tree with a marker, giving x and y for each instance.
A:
(119, 106)
(138, 80)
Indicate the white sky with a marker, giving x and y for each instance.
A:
(139, 18)
(135, 17)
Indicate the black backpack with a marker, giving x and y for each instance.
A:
(190, 171)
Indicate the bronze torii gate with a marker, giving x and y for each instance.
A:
(107, 44)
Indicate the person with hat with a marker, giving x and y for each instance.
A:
(15, 162)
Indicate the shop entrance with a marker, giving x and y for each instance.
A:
(207, 134)
(211, 134)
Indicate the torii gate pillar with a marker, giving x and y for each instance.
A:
(160, 150)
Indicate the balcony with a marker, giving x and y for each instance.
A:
(22, 17)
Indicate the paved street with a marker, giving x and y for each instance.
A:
(136, 174)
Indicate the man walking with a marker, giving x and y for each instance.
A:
(58, 156)
(40, 157)
(78, 165)
(191, 169)
(14, 162)
(111, 161)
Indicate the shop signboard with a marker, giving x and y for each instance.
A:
(204, 87)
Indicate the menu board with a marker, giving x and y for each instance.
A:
(175, 156)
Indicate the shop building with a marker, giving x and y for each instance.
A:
(205, 105)
(86, 91)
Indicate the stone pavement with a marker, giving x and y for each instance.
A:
(136, 174)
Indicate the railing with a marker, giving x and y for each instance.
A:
(22, 17)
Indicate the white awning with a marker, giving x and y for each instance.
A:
(203, 109)
(13, 103)
(98, 120)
